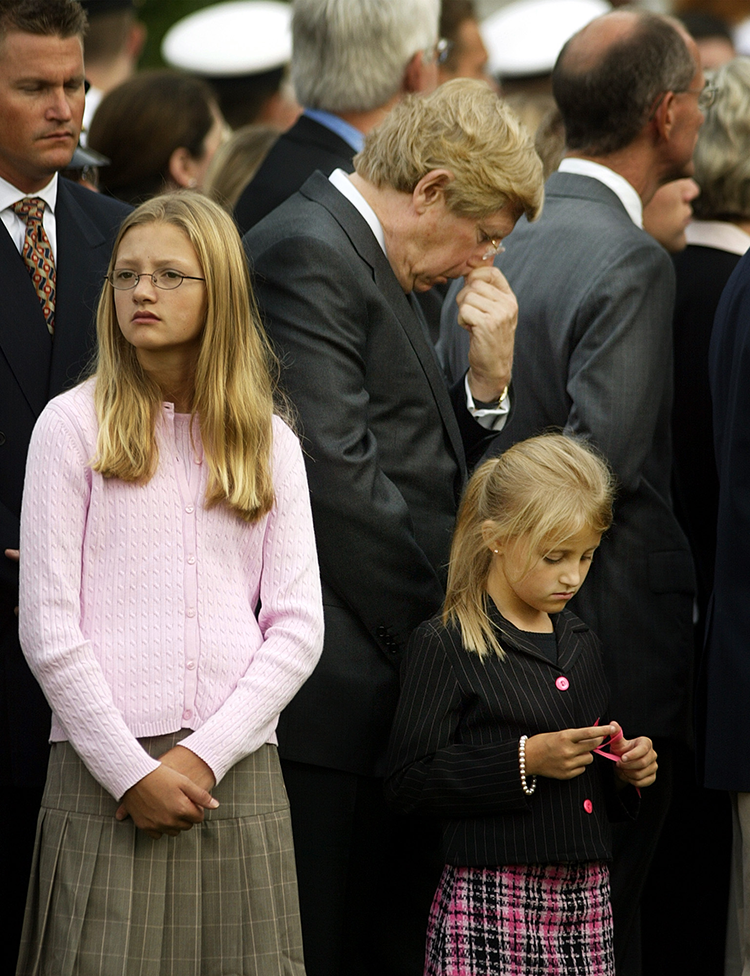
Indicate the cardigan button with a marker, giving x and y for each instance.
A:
(588, 806)
(562, 683)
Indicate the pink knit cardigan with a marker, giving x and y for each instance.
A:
(143, 612)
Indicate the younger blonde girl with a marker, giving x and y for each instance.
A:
(501, 712)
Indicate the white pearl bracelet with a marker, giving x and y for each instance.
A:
(528, 789)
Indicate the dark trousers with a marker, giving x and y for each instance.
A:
(687, 892)
(366, 875)
(634, 846)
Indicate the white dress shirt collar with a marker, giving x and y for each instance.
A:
(15, 225)
(625, 192)
(719, 234)
(345, 186)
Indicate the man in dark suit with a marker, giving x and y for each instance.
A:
(44, 343)
(726, 666)
(351, 62)
(337, 267)
(594, 355)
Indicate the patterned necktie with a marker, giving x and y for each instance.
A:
(37, 255)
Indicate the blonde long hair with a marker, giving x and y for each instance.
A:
(544, 489)
(233, 397)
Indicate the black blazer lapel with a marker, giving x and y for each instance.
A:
(320, 189)
(567, 627)
(24, 339)
(84, 254)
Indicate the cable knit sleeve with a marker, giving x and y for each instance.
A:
(290, 619)
(53, 525)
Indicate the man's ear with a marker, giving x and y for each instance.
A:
(419, 75)
(664, 114)
(431, 189)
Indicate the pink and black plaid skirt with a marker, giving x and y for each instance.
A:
(521, 920)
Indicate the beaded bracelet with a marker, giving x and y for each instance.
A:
(528, 790)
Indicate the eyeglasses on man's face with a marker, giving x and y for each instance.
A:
(706, 95)
(438, 54)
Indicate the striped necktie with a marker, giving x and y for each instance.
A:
(37, 255)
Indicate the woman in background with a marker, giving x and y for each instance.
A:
(160, 131)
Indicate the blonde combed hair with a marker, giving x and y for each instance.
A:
(233, 397)
(544, 490)
(465, 128)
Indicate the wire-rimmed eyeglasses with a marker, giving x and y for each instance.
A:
(438, 54)
(706, 95)
(165, 278)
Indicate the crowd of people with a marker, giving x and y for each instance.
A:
(357, 569)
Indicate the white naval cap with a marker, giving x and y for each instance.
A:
(242, 37)
(741, 35)
(524, 38)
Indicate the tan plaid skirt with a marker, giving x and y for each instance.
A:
(218, 900)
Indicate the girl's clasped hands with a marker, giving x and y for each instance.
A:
(566, 754)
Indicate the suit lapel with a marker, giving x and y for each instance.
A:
(406, 311)
(78, 240)
(566, 625)
(24, 339)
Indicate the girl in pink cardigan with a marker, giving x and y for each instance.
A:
(170, 608)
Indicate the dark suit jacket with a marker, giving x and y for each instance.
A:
(702, 273)
(454, 746)
(386, 461)
(34, 367)
(727, 665)
(295, 156)
(594, 355)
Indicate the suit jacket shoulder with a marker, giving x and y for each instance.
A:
(308, 146)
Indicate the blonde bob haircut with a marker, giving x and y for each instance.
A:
(465, 128)
(543, 491)
(234, 376)
(722, 153)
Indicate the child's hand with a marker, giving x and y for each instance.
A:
(637, 763)
(566, 754)
(165, 802)
(182, 760)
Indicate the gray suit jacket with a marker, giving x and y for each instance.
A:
(594, 356)
(385, 462)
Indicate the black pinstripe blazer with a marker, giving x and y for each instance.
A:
(454, 746)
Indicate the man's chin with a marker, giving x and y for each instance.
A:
(424, 284)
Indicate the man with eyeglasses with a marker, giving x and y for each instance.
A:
(351, 62)
(593, 355)
(338, 268)
(55, 243)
